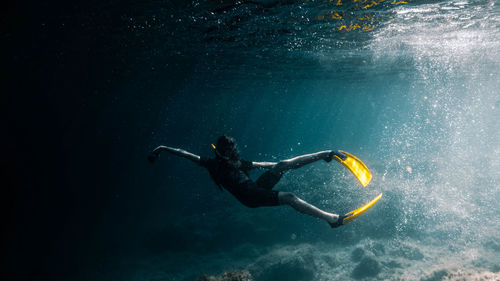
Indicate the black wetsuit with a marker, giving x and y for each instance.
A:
(235, 179)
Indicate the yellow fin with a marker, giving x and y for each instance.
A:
(357, 167)
(356, 213)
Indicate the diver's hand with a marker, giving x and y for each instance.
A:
(155, 154)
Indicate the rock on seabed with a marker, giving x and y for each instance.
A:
(368, 267)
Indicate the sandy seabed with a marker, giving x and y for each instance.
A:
(367, 260)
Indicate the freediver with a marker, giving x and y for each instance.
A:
(229, 171)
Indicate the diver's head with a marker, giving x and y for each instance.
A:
(226, 148)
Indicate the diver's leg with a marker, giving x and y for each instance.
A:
(299, 161)
(271, 177)
(287, 198)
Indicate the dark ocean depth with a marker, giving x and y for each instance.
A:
(89, 88)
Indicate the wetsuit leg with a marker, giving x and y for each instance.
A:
(287, 198)
(269, 179)
(252, 196)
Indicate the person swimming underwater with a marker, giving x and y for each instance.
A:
(229, 171)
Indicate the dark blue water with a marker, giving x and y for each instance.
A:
(410, 87)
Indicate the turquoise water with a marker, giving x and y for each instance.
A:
(410, 87)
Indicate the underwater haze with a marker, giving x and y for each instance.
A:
(412, 88)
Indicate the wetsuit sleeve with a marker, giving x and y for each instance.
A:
(204, 162)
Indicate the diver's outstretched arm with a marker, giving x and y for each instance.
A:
(176, 151)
